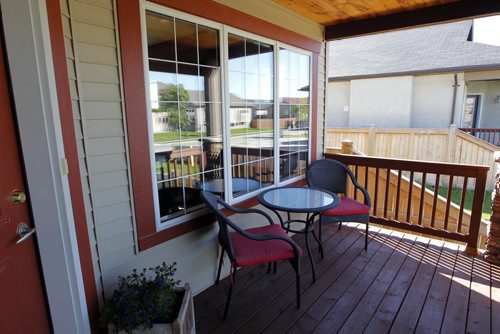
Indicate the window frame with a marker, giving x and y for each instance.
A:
(129, 47)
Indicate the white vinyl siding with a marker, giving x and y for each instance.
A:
(91, 45)
(322, 87)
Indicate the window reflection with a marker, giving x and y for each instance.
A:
(251, 116)
(185, 94)
(294, 110)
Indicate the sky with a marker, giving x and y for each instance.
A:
(487, 30)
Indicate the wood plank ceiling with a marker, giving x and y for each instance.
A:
(347, 18)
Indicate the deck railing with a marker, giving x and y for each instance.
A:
(398, 203)
(491, 136)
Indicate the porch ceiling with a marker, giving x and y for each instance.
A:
(347, 18)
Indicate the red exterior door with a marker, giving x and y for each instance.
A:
(22, 302)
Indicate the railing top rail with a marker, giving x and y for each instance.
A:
(479, 129)
(413, 165)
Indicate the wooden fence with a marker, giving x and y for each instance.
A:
(399, 201)
(440, 145)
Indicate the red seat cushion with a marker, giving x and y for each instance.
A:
(348, 207)
(250, 252)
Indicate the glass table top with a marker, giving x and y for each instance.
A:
(299, 199)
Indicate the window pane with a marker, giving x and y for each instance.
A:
(251, 115)
(208, 40)
(186, 112)
(160, 35)
(187, 50)
(294, 83)
(236, 57)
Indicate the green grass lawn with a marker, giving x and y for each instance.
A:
(456, 197)
(161, 137)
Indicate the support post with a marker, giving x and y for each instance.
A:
(492, 253)
(452, 143)
(347, 146)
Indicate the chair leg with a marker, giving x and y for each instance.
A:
(220, 266)
(319, 227)
(295, 262)
(366, 236)
(230, 292)
(340, 225)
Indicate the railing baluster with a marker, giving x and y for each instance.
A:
(422, 197)
(398, 194)
(356, 175)
(366, 178)
(462, 205)
(410, 191)
(376, 192)
(434, 202)
(448, 203)
(387, 183)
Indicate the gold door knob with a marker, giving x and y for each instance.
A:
(18, 197)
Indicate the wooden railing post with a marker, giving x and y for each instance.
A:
(476, 213)
(347, 146)
(452, 143)
(372, 137)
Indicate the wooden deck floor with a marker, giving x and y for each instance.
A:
(402, 284)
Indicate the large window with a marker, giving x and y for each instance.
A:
(251, 113)
(186, 110)
(232, 138)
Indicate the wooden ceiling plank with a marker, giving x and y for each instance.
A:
(453, 11)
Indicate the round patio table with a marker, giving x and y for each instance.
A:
(240, 184)
(312, 201)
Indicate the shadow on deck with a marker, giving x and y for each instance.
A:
(403, 283)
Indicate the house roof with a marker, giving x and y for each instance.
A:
(438, 48)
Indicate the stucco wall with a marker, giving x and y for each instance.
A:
(432, 100)
(337, 110)
(489, 110)
(383, 102)
(392, 102)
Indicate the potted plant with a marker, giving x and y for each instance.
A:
(150, 302)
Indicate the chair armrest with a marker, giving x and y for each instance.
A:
(360, 187)
(249, 210)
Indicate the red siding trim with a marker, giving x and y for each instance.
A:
(136, 111)
(211, 10)
(71, 152)
(135, 100)
(314, 105)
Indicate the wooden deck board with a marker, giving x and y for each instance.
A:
(361, 315)
(401, 284)
(409, 312)
(431, 316)
(383, 317)
(311, 317)
(455, 316)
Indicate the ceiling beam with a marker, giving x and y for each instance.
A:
(459, 10)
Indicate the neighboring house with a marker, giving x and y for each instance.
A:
(75, 76)
(428, 77)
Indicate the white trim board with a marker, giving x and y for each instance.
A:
(29, 55)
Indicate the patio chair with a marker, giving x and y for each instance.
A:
(332, 175)
(254, 246)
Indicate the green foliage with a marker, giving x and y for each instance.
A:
(456, 197)
(142, 299)
(177, 111)
(300, 112)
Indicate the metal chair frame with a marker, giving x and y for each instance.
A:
(332, 175)
(224, 222)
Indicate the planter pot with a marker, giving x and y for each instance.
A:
(184, 324)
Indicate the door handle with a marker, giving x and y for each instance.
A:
(24, 232)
